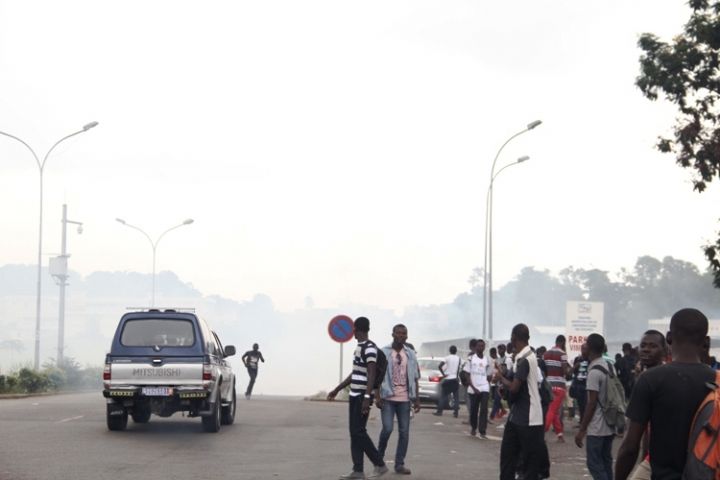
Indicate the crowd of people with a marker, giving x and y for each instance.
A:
(648, 396)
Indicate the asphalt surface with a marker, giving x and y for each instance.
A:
(65, 437)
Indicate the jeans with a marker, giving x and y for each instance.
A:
(253, 375)
(554, 414)
(479, 404)
(449, 387)
(497, 401)
(524, 441)
(360, 442)
(389, 411)
(582, 400)
(599, 456)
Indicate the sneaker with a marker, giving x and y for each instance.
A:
(437, 414)
(561, 439)
(402, 470)
(379, 471)
(473, 433)
(353, 475)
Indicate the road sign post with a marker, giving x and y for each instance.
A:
(341, 330)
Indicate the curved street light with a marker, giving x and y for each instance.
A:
(41, 168)
(487, 308)
(488, 220)
(154, 245)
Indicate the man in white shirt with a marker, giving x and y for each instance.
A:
(449, 368)
(479, 389)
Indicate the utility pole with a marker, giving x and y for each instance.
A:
(59, 270)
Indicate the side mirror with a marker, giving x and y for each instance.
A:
(229, 350)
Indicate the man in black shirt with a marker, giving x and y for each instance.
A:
(251, 359)
(667, 397)
(626, 369)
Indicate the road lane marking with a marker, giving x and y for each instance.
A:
(70, 419)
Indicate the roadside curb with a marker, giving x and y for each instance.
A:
(12, 396)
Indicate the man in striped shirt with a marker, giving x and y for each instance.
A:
(557, 369)
(361, 382)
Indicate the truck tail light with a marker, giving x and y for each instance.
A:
(107, 374)
(207, 372)
(435, 378)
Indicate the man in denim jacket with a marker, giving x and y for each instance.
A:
(398, 394)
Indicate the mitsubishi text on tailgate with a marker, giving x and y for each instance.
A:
(167, 361)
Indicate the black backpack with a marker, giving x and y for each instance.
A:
(546, 393)
(381, 365)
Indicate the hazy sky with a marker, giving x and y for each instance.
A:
(341, 150)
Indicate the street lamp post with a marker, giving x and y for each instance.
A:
(41, 168)
(488, 220)
(488, 294)
(154, 246)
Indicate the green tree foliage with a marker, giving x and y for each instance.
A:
(68, 376)
(651, 289)
(31, 381)
(686, 72)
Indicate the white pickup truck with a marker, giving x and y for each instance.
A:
(167, 361)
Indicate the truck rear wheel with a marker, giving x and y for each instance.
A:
(211, 423)
(117, 418)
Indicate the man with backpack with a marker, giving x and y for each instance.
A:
(362, 381)
(398, 393)
(667, 397)
(604, 391)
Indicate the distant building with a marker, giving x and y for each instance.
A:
(441, 348)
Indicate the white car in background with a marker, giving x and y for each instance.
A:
(430, 382)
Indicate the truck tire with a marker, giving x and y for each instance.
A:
(228, 413)
(141, 415)
(115, 421)
(211, 423)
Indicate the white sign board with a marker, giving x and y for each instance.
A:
(582, 319)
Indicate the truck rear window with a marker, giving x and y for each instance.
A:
(148, 332)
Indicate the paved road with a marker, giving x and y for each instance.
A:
(64, 437)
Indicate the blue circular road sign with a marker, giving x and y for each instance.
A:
(340, 328)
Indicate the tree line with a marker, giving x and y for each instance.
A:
(651, 289)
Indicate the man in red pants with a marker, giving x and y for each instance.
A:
(557, 369)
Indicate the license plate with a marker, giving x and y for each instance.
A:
(157, 391)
